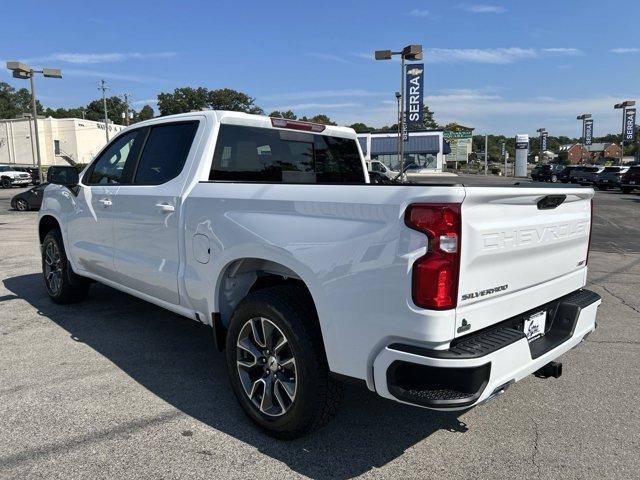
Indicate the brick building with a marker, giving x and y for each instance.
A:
(573, 153)
(603, 150)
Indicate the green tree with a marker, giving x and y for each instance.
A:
(187, 99)
(115, 108)
(182, 100)
(428, 120)
(360, 127)
(288, 114)
(320, 118)
(146, 113)
(228, 99)
(14, 103)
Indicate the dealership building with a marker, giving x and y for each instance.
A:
(63, 141)
(426, 148)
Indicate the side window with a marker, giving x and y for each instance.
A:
(253, 154)
(109, 167)
(165, 152)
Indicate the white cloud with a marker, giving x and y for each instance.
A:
(483, 8)
(563, 51)
(478, 55)
(149, 101)
(112, 75)
(496, 56)
(94, 58)
(315, 94)
(625, 50)
(328, 56)
(419, 13)
(313, 106)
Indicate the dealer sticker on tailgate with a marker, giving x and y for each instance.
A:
(534, 325)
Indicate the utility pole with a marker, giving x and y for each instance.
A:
(486, 153)
(104, 88)
(125, 97)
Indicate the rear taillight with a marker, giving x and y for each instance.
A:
(435, 275)
(297, 125)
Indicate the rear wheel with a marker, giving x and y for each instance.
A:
(22, 205)
(277, 365)
(5, 183)
(554, 178)
(62, 285)
(626, 190)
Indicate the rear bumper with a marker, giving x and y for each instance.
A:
(481, 365)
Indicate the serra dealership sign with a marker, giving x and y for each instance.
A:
(414, 94)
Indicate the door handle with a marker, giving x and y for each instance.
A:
(165, 207)
(105, 202)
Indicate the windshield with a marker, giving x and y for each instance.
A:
(6, 169)
(612, 169)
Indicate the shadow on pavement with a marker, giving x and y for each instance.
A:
(174, 358)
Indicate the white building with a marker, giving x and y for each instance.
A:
(63, 141)
(424, 148)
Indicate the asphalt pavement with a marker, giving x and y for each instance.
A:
(117, 388)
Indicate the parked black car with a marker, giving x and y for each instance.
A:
(610, 177)
(30, 199)
(565, 175)
(630, 180)
(535, 173)
(548, 173)
(589, 175)
(576, 173)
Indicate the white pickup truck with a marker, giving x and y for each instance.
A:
(13, 178)
(268, 230)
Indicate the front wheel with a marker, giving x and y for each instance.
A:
(62, 285)
(626, 190)
(554, 179)
(22, 205)
(277, 364)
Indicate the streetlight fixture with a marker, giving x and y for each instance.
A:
(411, 53)
(24, 71)
(584, 117)
(623, 106)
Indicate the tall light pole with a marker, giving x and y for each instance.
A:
(623, 106)
(584, 117)
(24, 71)
(542, 132)
(411, 53)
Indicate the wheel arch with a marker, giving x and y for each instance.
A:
(240, 277)
(45, 225)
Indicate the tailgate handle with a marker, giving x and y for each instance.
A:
(550, 201)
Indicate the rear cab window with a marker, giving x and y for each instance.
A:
(256, 154)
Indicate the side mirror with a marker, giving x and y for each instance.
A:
(68, 177)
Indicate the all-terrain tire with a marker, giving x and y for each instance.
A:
(317, 394)
(61, 283)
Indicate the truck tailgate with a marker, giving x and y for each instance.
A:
(516, 239)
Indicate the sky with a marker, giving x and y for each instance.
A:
(503, 67)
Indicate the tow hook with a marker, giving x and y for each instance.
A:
(551, 369)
